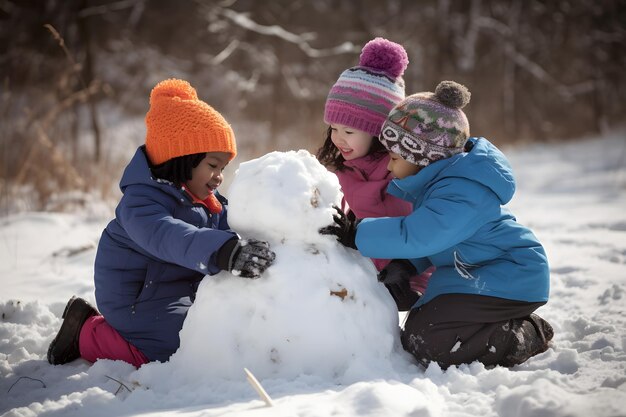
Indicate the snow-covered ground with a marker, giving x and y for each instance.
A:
(573, 195)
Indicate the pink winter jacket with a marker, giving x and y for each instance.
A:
(364, 183)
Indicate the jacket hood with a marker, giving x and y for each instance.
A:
(484, 164)
(138, 172)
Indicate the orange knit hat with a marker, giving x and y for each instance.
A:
(179, 124)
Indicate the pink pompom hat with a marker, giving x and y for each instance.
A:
(364, 95)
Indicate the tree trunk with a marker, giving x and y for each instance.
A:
(88, 77)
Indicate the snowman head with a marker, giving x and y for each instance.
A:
(283, 196)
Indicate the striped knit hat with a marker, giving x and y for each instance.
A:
(363, 96)
(426, 127)
(179, 124)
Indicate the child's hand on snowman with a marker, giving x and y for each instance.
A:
(344, 228)
(247, 258)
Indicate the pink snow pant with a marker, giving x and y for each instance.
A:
(98, 340)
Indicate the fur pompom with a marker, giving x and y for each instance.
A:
(384, 55)
(452, 94)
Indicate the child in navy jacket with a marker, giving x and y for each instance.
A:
(170, 230)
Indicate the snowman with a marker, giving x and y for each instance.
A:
(318, 310)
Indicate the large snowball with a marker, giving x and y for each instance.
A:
(318, 310)
(283, 196)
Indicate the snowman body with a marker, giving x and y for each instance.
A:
(318, 310)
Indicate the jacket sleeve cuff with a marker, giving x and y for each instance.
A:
(223, 258)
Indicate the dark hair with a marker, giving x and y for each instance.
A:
(177, 170)
(329, 156)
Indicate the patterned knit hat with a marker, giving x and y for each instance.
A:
(363, 96)
(179, 124)
(426, 127)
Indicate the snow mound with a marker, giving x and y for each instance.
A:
(318, 310)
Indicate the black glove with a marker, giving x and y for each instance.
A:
(403, 295)
(397, 271)
(247, 258)
(344, 228)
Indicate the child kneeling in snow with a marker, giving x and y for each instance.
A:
(492, 273)
(355, 110)
(169, 232)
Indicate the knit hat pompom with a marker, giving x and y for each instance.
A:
(173, 88)
(452, 94)
(384, 55)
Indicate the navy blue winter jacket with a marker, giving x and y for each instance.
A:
(152, 257)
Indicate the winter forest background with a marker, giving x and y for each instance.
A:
(548, 86)
(75, 75)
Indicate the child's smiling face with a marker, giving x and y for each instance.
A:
(352, 143)
(207, 176)
(400, 168)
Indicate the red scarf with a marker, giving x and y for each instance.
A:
(211, 202)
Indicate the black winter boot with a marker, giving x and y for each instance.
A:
(64, 347)
(530, 336)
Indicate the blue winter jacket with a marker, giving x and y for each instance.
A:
(152, 257)
(459, 225)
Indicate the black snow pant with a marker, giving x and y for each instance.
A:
(453, 329)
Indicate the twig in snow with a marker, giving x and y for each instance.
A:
(121, 385)
(26, 377)
(258, 388)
